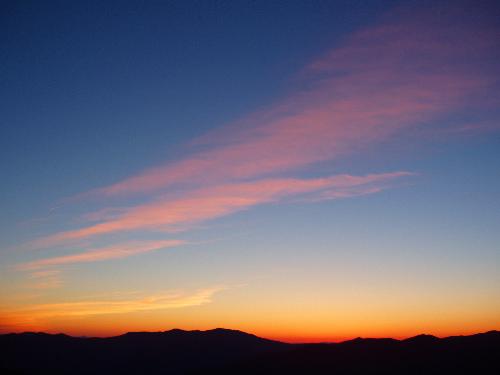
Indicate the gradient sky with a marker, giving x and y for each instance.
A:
(304, 171)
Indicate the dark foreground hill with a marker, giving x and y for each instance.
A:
(234, 352)
(170, 352)
(476, 354)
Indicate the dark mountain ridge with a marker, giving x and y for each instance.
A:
(230, 351)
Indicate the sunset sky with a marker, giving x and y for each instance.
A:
(300, 170)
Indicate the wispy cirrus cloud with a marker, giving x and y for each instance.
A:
(35, 315)
(213, 202)
(96, 255)
(411, 69)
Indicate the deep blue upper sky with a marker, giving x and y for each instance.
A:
(121, 84)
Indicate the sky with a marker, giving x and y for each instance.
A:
(305, 171)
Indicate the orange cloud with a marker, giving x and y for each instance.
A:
(33, 316)
(213, 202)
(96, 255)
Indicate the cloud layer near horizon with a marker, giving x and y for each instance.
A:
(38, 314)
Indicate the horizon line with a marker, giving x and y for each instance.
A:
(400, 338)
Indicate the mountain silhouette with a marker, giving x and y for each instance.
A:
(234, 352)
(171, 352)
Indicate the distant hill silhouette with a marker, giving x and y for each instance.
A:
(235, 352)
(169, 352)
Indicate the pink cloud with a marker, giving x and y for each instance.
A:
(213, 202)
(410, 70)
(96, 255)
(378, 83)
